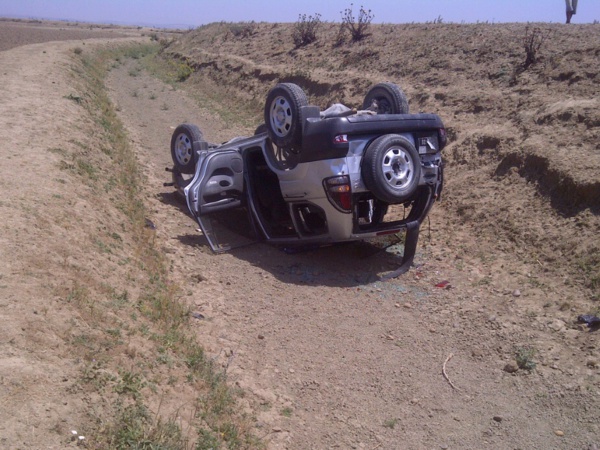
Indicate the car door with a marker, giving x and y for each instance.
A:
(218, 185)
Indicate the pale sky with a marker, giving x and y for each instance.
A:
(192, 13)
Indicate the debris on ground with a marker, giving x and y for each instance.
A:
(150, 224)
(592, 321)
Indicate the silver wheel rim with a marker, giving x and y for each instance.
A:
(397, 167)
(183, 149)
(281, 116)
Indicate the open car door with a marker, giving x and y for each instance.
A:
(217, 186)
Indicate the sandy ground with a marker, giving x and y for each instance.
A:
(327, 357)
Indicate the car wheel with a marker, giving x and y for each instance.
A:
(282, 114)
(386, 98)
(184, 145)
(391, 168)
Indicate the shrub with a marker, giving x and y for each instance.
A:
(532, 43)
(357, 27)
(183, 71)
(305, 30)
(524, 357)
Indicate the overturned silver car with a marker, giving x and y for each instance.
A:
(312, 177)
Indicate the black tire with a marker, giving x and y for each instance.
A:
(391, 168)
(282, 115)
(185, 142)
(389, 97)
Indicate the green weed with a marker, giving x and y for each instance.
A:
(390, 423)
(130, 384)
(524, 357)
(76, 98)
(137, 429)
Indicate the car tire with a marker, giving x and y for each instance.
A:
(389, 97)
(282, 115)
(391, 168)
(185, 143)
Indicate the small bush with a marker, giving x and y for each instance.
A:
(357, 27)
(532, 43)
(524, 357)
(78, 50)
(183, 71)
(305, 30)
(390, 423)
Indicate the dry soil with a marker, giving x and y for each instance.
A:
(327, 356)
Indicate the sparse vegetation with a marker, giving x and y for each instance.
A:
(242, 30)
(138, 428)
(390, 423)
(524, 357)
(589, 263)
(183, 71)
(532, 43)
(305, 29)
(357, 26)
(157, 313)
(134, 72)
(76, 98)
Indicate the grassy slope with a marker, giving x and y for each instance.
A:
(138, 343)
